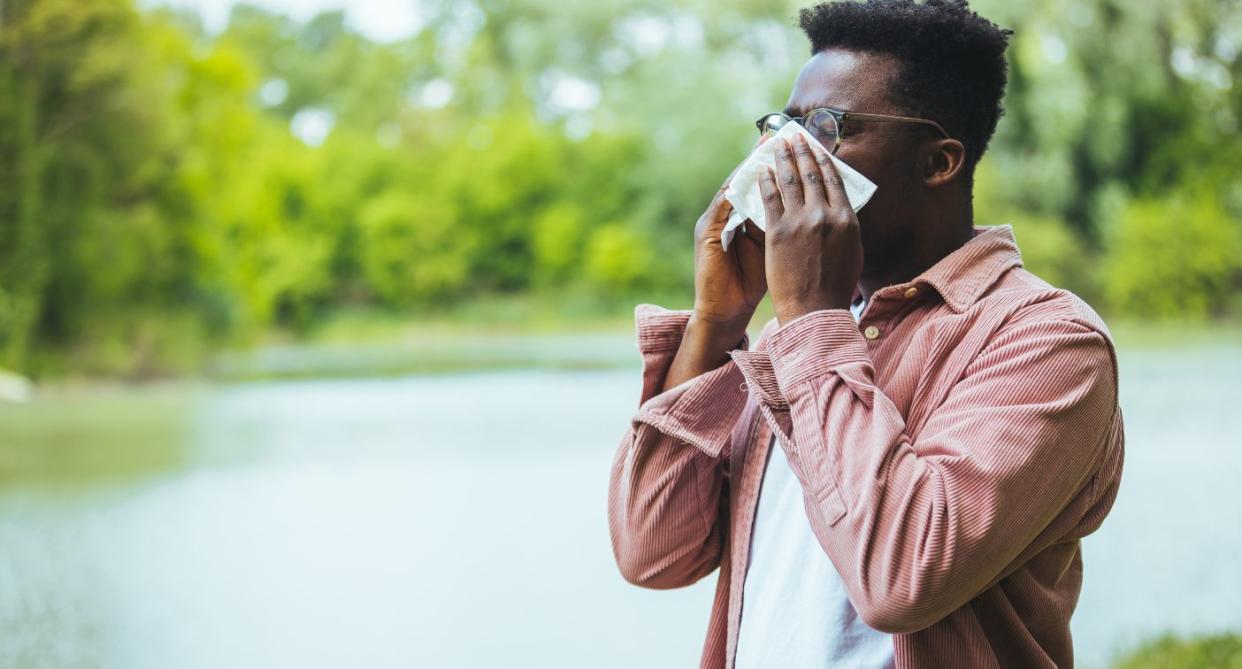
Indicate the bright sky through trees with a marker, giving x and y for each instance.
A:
(381, 20)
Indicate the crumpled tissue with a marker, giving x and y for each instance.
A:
(743, 191)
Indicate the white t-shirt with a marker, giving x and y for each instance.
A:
(795, 610)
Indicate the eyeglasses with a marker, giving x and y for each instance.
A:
(827, 124)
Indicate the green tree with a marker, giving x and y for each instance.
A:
(1179, 256)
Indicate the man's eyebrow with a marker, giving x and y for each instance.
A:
(793, 111)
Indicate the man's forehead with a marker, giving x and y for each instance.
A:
(843, 79)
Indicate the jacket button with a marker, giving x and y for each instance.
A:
(911, 292)
(872, 332)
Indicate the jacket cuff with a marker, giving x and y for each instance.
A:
(756, 367)
(700, 411)
(814, 344)
(808, 346)
(659, 329)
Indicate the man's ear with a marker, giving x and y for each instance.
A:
(943, 160)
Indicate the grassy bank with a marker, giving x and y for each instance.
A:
(74, 432)
(533, 315)
(534, 332)
(483, 333)
(1220, 651)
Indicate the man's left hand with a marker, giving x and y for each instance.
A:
(813, 251)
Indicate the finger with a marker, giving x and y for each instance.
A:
(812, 175)
(754, 234)
(720, 207)
(773, 206)
(834, 186)
(787, 175)
(713, 221)
(721, 210)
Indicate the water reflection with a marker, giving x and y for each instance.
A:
(458, 521)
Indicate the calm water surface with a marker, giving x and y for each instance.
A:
(459, 521)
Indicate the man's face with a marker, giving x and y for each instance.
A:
(885, 153)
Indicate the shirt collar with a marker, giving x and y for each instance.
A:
(963, 275)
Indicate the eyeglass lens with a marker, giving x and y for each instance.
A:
(821, 125)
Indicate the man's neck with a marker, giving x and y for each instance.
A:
(923, 258)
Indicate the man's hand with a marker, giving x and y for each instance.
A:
(813, 250)
(728, 285)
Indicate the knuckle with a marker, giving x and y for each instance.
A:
(790, 180)
(810, 177)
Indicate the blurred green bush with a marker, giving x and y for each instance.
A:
(168, 190)
(1180, 255)
(1222, 651)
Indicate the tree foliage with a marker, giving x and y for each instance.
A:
(168, 189)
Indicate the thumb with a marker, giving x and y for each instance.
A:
(714, 220)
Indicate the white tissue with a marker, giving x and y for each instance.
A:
(743, 191)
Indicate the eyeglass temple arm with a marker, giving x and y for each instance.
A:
(895, 119)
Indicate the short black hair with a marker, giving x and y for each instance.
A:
(953, 68)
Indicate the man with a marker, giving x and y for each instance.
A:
(909, 488)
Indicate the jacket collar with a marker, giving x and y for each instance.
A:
(962, 276)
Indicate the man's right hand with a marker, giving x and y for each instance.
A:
(728, 284)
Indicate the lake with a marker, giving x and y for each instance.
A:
(450, 520)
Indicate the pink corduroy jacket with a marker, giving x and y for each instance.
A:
(953, 447)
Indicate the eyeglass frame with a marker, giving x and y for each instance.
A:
(839, 116)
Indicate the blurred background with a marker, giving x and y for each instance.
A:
(294, 293)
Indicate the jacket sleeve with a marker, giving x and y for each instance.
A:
(667, 497)
(918, 528)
